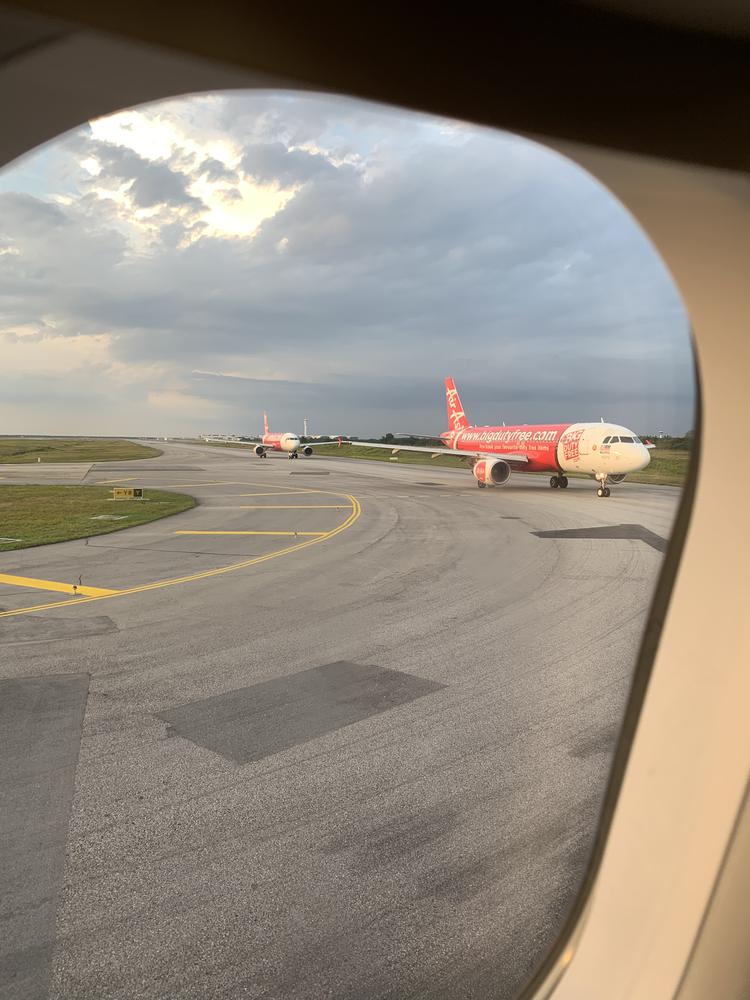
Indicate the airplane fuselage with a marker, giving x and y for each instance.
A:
(281, 442)
(586, 448)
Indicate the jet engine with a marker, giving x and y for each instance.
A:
(259, 450)
(491, 472)
(306, 450)
(617, 477)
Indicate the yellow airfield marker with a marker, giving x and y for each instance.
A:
(251, 532)
(63, 588)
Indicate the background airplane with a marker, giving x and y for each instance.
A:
(608, 452)
(288, 442)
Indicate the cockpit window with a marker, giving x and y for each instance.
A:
(626, 440)
(614, 440)
(606, 440)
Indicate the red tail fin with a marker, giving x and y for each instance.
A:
(265, 423)
(456, 418)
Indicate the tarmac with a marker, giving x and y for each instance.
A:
(342, 730)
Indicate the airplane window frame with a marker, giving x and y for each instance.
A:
(179, 70)
(632, 710)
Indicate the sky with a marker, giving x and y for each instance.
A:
(179, 268)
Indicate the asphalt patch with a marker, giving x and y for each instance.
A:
(429, 484)
(309, 472)
(636, 532)
(37, 628)
(251, 723)
(40, 732)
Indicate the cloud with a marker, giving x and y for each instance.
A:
(150, 182)
(21, 213)
(333, 260)
(275, 163)
(215, 170)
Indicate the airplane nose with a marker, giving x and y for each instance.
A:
(640, 459)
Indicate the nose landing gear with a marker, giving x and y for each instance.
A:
(604, 490)
(560, 482)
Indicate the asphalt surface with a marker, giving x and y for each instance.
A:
(362, 763)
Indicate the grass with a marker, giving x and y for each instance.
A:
(40, 515)
(15, 451)
(668, 467)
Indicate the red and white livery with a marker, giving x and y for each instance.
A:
(288, 442)
(607, 452)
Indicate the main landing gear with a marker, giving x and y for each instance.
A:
(481, 485)
(559, 481)
(293, 454)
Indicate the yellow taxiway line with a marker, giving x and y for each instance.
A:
(251, 533)
(184, 486)
(63, 588)
(293, 506)
(108, 482)
(205, 574)
(290, 493)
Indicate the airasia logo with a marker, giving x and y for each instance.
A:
(455, 413)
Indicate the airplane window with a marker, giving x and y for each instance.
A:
(606, 440)
(626, 440)
(395, 790)
(615, 440)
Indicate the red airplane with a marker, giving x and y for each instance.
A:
(608, 452)
(290, 443)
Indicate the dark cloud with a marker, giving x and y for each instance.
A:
(23, 214)
(215, 170)
(153, 182)
(274, 162)
(373, 405)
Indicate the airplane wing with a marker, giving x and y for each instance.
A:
(437, 452)
(322, 444)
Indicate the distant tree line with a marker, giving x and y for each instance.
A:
(684, 443)
(391, 439)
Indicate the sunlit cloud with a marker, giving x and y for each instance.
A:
(242, 215)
